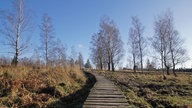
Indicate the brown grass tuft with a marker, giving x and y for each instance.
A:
(150, 90)
(27, 87)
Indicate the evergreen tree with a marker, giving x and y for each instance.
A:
(88, 64)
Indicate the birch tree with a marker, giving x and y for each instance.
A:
(58, 55)
(107, 46)
(98, 52)
(80, 60)
(16, 26)
(160, 42)
(138, 39)
(177, 51)
(47, 37)
(167, 43)
(113, 42)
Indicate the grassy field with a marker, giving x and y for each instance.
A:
(28, 87)
(148, 89)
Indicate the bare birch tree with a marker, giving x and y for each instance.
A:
(138, 39)
(80, 60)
(167, 43)
(47, 37)
(106, 28)
(113, 42)
(16, 26)
(73, 56)
(159, 42)
(98, 50)
(132, 42)
(58, 55)
(36, 59)
(177, 51)
(107, 46)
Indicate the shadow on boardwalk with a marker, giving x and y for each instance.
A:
(77, 99)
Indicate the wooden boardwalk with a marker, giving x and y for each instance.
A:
(105, 94)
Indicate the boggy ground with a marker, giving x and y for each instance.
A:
(148, 89)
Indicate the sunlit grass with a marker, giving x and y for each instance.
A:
(148, 89)
(28, 87)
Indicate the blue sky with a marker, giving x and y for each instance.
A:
(76, 20)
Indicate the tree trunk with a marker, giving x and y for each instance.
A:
(173, 66)
(16, 50)
(134, 68)
(134, 64)
(173, 60)
(113, 67)
(174, 70)
(109, 63)
(141, 64)
(164, 77)
(167, 70)
(165, 63)
(17, 39)
(141, 54)
(46, 50)
(109, 66)
(16, 57)
(101, 65)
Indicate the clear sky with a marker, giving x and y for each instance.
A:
(76, 20)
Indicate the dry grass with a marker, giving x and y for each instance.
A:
(27, 87)
(150, 90)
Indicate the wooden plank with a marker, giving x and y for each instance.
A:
(107, 104)
(106, 100)
(101, 98)
(105, 94)
(100, 106)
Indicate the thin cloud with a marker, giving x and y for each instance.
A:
(80, 46)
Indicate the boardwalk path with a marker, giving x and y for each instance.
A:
(105, 94)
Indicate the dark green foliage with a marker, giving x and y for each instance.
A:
(88, 64)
